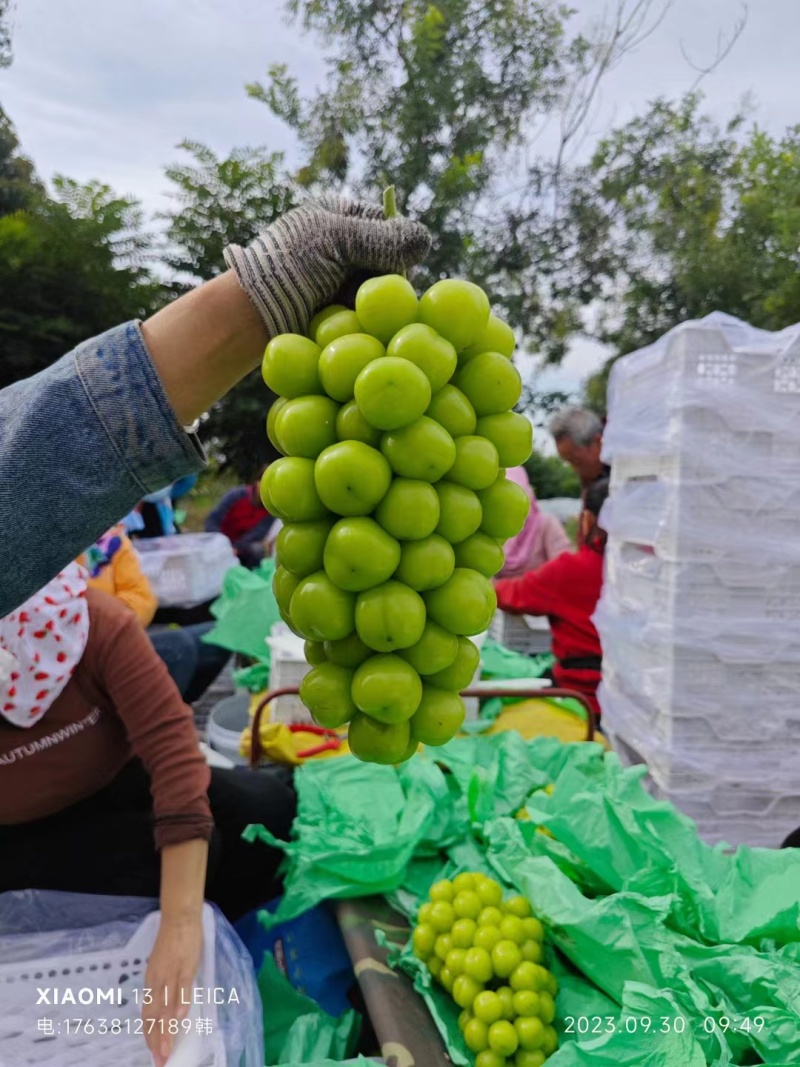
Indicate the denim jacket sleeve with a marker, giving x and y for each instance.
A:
(80, 443)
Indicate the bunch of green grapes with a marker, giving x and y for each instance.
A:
(487, 953)
(395, 424)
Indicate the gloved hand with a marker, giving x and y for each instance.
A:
(298, 264)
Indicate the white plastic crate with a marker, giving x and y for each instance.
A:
(287, 668)
(695, 461)
(521, 633)
(746, 697)
(714, 377)
(23, 1043)
(689, 751)
(700, 613)
(764, 590)
(738, 813)
(766, 825)
(186, 569)
(745, 518)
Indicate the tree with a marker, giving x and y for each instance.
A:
(71, 266)
(423, 95)
(677, 217)
(596, 387)
(445, 99)
(539, 404)
(18, 184)
(73, 262)
(5, 34)
(219, 202)
(551, 477)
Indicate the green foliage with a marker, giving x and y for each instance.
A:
(540, 404)
(596, 387)
(71, 266)
(5, 34)
(551, 477)
(218, 202)
(441, 99)
(17, 182)
(236, 428)
(678, 217)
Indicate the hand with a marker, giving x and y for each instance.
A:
(170, 974)
(204, 343)
(300, 262)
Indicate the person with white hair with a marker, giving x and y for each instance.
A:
(578, 434)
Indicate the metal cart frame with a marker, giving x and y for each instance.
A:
(523, 693)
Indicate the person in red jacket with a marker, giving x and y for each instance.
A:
(244, 520)
(567, 590)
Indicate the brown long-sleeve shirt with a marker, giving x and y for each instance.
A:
(121, 702)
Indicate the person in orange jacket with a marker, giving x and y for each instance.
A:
(114, 568)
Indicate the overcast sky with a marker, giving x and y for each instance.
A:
(107, 88)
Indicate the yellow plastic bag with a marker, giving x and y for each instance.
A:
(542, 718)
(282, 743)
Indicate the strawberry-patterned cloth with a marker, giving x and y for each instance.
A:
(45, 639)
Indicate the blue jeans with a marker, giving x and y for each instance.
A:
(192, 663)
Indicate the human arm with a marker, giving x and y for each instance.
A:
(175, 958)
(555, 539)
(159, 726)
(131, 585)
(80, 443)
(102, 427)
(207, 341)
(161, 733)
(216, 517)
(532, 593)
(204, 343)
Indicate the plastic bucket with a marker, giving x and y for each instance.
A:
(225, 724)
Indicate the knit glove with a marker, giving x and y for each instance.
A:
(298, 264)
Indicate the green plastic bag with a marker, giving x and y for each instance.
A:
(246, 611)
(495, 777)
(497, 661)
(360, 1061)
(630, 936)
(495, 774)
(633, 842)
(296, 1029)
(357, 828)
(500, 662)
(254, 678)
(644, 919)
(661, 1045)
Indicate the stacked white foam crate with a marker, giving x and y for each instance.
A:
(700, 613)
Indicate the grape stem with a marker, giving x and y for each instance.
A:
(389, 202)
(390, 209)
